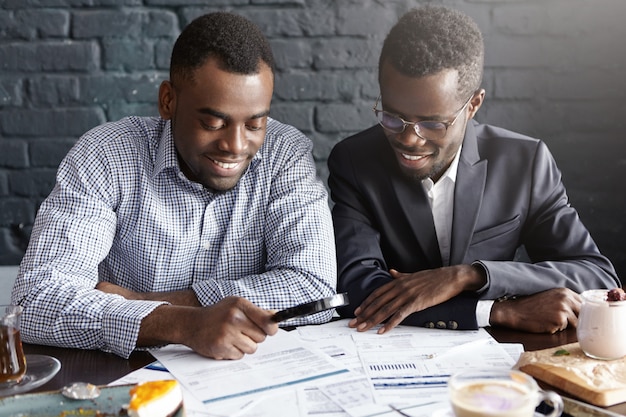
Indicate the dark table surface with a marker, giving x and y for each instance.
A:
(101, 368)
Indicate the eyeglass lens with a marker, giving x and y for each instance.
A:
(427, 128)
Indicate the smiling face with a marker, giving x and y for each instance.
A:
(219, 121)
(432, 97)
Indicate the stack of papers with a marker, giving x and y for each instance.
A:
(331, 370)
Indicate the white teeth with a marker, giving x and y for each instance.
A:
(413, 157)
(226, 165)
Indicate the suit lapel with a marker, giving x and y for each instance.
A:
(468, 194)
(414, 203)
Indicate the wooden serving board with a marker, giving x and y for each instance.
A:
(561, 373)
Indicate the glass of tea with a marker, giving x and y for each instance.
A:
(12, 359)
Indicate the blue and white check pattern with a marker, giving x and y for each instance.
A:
(122, 211)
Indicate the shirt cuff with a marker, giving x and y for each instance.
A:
(479, 264)
(483, 312)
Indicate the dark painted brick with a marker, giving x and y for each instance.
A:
(50, 122)
(15, 211)
(161, 24)
(355, 18)
(49, 153)
(114, 87)
(343, 117)
(42, 23)
(121, 109)
(128, 55)
(102, 23)
(299, 115)
(292, 53)
(13, 154)
(323, 85)
(10, 91)
(53, 90)
(346, 53)
(49, 56)
(32, 183)
(162, 54)
(293, 22)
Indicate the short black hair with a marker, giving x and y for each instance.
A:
(237, 43)
(430, 39)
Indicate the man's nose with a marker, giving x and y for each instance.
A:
(234, 140)
(410, 137)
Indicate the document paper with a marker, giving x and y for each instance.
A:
(281, 362)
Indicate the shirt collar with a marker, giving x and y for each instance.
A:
(166, 152)
(167, 156)
(454, 166)
(450, 173)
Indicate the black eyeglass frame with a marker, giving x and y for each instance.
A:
(416, 125)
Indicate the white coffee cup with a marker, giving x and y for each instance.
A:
(505, 393)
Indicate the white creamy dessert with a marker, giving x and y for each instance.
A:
(155, 399)
(601, 327)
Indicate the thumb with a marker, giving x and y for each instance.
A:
(394, 273)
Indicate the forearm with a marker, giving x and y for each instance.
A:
(165, 324)
(181, 298)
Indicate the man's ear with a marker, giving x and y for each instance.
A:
(476, 102)
(167, 100)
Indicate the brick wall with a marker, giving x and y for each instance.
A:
(554, 69)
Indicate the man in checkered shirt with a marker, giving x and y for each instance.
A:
(187, 228)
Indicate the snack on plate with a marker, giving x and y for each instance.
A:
(155, 399)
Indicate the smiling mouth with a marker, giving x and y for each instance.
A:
(413, 157)
(226, 165)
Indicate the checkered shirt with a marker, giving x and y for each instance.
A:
(122, 211)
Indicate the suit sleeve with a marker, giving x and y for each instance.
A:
(560, 248)
(361, 265)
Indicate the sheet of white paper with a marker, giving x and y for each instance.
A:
(282, 362)
(413, 368)
(345, 394)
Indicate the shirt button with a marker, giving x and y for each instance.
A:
(206, 245)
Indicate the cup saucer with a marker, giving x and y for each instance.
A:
(447, 412)
(39, 370)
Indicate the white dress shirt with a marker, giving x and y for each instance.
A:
(441, 198)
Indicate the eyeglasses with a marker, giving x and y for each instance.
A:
(425, 129)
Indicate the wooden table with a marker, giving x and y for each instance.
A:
(101, 368)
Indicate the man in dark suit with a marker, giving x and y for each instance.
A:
(431, 207)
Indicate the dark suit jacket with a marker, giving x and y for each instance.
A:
(508, 193)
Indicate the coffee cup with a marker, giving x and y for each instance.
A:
(601, 325)
(505, 393)
(12, 359)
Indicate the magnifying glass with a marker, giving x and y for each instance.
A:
(312, 307)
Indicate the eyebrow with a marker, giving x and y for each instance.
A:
(224, 116)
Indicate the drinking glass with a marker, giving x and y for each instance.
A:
(12, 359)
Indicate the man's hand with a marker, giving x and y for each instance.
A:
(409, 293)
(544, 312)
(226, 330)
(182, 298)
